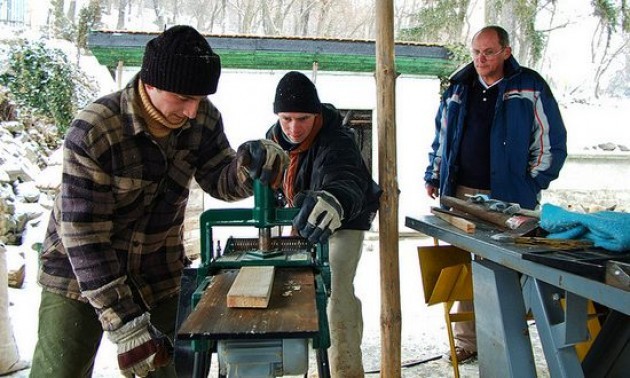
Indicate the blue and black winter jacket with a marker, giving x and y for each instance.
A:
(527, 139)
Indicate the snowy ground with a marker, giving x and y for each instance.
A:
(423, 329)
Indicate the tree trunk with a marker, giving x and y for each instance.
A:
(159, 18)
(388, 211)
(323, 17)
(122, 7)
(176, 8)
(224, 15)
(72, 10)
(305, 13)
(267, 24)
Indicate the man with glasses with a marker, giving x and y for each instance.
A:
(498, 132)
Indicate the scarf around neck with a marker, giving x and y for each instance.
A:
(294, 157)
(157, 124)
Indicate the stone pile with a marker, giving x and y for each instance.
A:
(30, 174)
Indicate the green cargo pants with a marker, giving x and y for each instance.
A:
(70, 333)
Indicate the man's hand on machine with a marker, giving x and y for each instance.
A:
(319, 216)
(141, 347)
(263, 160)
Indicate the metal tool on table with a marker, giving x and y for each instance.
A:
(501, 220)
(257, 342)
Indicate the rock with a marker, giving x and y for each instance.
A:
(27, 191)
(7, 203)
(623, 147)
(32, 153)
(50, 179)
(13, 127)
(16, 266)
(16, 276)
(56, 158)
(607, 146)
(21, 169)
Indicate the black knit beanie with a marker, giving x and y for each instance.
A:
(296, 93)
(181, 61)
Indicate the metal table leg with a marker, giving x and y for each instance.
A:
(503, 343)
(559, 329)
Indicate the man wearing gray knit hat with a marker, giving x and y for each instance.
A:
(113, 255)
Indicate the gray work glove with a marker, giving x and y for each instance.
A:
(320, 215)
(141, 347)
(264, 160)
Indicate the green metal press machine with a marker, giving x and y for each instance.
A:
(254, 342)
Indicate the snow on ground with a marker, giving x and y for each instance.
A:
(603, 121)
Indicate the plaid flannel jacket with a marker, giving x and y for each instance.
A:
(115, 233)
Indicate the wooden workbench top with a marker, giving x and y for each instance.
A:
(292, 311)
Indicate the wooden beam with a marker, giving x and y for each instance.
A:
(252, 287)
(461, 223)
(388, 211)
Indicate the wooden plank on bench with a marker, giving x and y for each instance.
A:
(461, 223)
(252, 287)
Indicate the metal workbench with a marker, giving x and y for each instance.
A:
(507, 286)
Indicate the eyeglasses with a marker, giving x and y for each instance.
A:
(486, 54)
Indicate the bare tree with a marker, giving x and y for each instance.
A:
(267, 11)
(323, 18)
(405, 12)
(274, 16)
(176, 6)
(159, 14)
(72, 10)
(201, 11)
(606, 46)
(280, 13)
(122, 7)
(301, 18)
(246, 14)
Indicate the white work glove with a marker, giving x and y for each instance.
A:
(320, 215)
(141, 347)
(264, 160)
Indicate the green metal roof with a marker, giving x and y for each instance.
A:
(281, 53)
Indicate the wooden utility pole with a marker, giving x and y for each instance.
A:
(388, 212)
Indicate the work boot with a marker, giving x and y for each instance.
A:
(462, 355)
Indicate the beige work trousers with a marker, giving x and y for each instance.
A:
(464, 333)
(344, 308)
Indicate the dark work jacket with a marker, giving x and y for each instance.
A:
(333, 163)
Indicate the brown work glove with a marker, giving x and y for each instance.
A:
(141, 347)
(264, 160)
